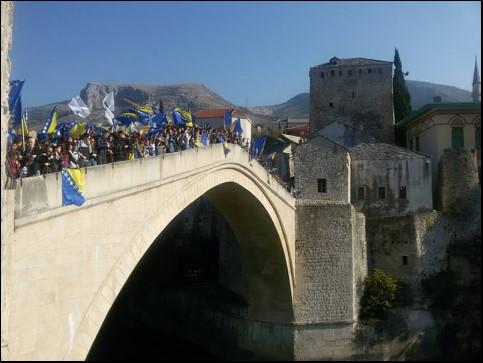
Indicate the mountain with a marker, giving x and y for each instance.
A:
(421, 94)
(196, 96)
(192, 97)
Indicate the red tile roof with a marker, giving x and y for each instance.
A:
(217, 113)
(301, 131)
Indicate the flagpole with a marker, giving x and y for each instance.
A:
(23, 133)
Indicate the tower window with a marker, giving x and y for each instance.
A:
(405, 260)
(331, 104)
(353, 94)
(379, 70)
(340, 73)
(349, 72)
(332, 73)
(321, 74)
(369, 70)
(322, 185)
(402, 192)
(360, 71)
(361, 193)
(381, 192)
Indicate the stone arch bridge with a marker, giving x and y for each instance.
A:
(66, 265)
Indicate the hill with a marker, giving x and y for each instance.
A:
(421, 94)
(187, 96)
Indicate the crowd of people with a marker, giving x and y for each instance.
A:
(39, 157)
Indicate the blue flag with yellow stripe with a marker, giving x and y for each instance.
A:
(73, 181)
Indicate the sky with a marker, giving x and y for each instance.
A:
(250, 53)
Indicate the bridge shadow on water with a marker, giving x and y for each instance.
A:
(193, 264)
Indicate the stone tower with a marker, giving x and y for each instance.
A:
(476, 84)
(356, 91)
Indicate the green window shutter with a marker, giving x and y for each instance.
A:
(457, 139)
(478, 138)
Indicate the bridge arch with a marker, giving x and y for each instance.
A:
(250, 209)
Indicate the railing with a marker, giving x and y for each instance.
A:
(40, 193)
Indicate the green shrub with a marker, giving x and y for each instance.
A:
(379, 294)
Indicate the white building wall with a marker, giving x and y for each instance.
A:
(435, 136)
(414, 174)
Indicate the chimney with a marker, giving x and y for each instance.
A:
(437, 99)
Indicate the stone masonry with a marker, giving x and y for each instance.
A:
(322, 159)
(357, 91)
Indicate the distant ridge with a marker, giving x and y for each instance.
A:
(197, 96)
(421, 94)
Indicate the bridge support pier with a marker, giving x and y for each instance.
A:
(330, 265)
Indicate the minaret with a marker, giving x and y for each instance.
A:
(476, 84)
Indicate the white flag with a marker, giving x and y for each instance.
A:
(108, 104)
(79, 107)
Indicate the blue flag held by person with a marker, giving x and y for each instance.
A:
(228, 118)
(73, 181)
(238, 129)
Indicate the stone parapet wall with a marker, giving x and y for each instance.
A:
(44, 193)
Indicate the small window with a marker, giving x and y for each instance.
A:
(457, 138)
(361, 193)
(349, 72)
(405, 260)
(477, 138)
(321, 74)
(353, 94)
(322, 185)
(402, 192)
(332, 73)
(340, 73)
(360, 71)
(381, 192)
(369, 70)
(331, 104)
(411, 144)
(417, 143)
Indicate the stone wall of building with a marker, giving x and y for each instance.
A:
(363, 100)
(359, 259)
(422, 238)
(459, 187)
(7, 221)
(321, 158)
(324, 248)
(413, 174)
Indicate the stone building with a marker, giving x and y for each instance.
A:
(377, 179)
(390, 180)
(322, 170)
(357, 91)
(437, 127)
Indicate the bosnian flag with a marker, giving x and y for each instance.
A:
(73, 181)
